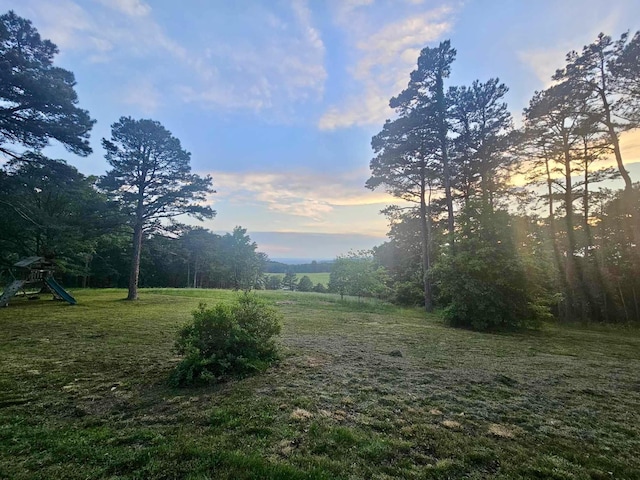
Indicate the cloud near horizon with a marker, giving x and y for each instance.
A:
(303, 194)
(325, 246)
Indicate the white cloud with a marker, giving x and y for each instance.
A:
(386, 55)
(369, 108)
(347, 10)
(63, 22)
(278, 65)
(301, 194)
(134, 8)
(143, 94)
(544, 63)
(98, 33)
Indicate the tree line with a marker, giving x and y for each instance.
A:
(312, 267)
(494, 254)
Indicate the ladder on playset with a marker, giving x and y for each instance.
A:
(10, 291)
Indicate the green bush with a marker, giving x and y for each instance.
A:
(305, 284)
(320, 288)
(485, 285)
(226, 341)
(408, 294)
(484, 293)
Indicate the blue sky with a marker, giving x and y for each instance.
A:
(278, 100)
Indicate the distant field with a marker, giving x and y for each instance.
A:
(315, 277)
(364, 390)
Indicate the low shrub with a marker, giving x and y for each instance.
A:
(226, 341)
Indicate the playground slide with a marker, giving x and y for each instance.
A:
(60, 292)
(10, 291)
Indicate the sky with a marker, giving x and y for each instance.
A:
(278, 100)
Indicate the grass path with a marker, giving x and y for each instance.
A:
(363, 390)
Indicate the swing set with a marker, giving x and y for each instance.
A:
(34, 272)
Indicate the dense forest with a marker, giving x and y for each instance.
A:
(467, 237)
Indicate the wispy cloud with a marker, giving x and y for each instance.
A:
(134, 8)
(143, 94)
(386, 53)
(324, 246)
(301, 194)
(544, 61)
(280, 64)
(65, 22)
(123, 29)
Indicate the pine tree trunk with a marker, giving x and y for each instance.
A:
(426, 261)
(556, 249)
(574, 266)
(624, 304)
(444, 151)
(615, 142)
(135, 262)
(195, 273)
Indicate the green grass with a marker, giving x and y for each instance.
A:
(83, 394)
(322, 277)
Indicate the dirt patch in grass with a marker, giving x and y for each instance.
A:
(501, 431)
(301, 414)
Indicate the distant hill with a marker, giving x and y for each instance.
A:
(284, 265)
(299, 261)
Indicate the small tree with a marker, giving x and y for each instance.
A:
(246, 264)
(151, 177)
(273, 282)
(339, 276)
(290, 280)
(320, 288)
(37, 100)
(305, 284)
(485, 283)
(356, 274)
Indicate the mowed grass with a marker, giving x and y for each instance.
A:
(363, 390)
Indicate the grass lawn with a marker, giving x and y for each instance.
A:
(364, 390)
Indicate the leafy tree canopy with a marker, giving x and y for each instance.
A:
(48, 208)
(37, 100)
(357, 274)
(151, 174)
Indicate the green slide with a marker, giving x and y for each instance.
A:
(60, 292)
